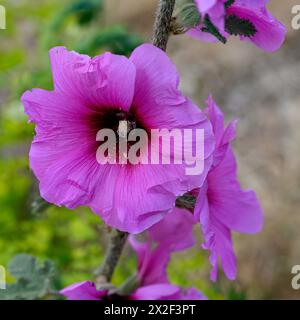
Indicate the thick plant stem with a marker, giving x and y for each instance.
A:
(117, 241)
(162, 26)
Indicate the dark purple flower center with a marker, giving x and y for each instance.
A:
(119, 121)
(115, 119)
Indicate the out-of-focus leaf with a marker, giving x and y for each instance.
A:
(186, 15)
(33, 280)
(234, 294)
(85, 11)
(115, 39)
(39, 205)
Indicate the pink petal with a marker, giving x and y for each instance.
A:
(237, 209)
(157, 84)
(166, 231)
(205, 5)
(152, 263)
(223, 136)
(218, 241)
(105, 81)
(85, 290)
(155, 292)
(270, 32)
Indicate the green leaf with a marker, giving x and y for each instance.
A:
(229, 3)
(186, 16)
(212, 29)
(33, 280)
(85, 12)
(239, 27)
(115, 39)
(39, 205)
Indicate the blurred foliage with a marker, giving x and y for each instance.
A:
(116, 38)
(85, 12)
(33, 281)
(73, 240)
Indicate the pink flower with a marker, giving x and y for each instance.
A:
(151, 281)
(268, 35)
(215, 9)
(95, 93)
(222, 206)
(164, 236)
(85, 290)
(154, 256)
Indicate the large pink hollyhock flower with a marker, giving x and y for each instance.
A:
(270, 33)
(151, 281)
(222, 206)
(96, 93)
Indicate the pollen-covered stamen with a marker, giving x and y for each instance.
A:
(114, 119)
(126, 124)
(125, 129)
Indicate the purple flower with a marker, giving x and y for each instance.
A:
(85, 290)
(96, 93)
(154, 256)
(268, 35)
(222, 206)
(151, 281)
(215, 9)
(163, 239)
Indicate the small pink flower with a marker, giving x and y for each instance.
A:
(97, 93)
(269, 35)
(154, 255)
(222, 206)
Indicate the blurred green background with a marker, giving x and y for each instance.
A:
(240, 77)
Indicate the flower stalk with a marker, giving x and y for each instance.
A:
(162, 25)
(117, 241)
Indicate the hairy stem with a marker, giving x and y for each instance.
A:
(118, 239)
(162, 26)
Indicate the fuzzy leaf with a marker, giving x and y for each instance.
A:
(115, 39)
(229, 3)
(33, 281)
(39, 205)
(186, 14)
(85, 11)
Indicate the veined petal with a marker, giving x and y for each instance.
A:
(270, 33)
(104, 81)
(237, 209)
